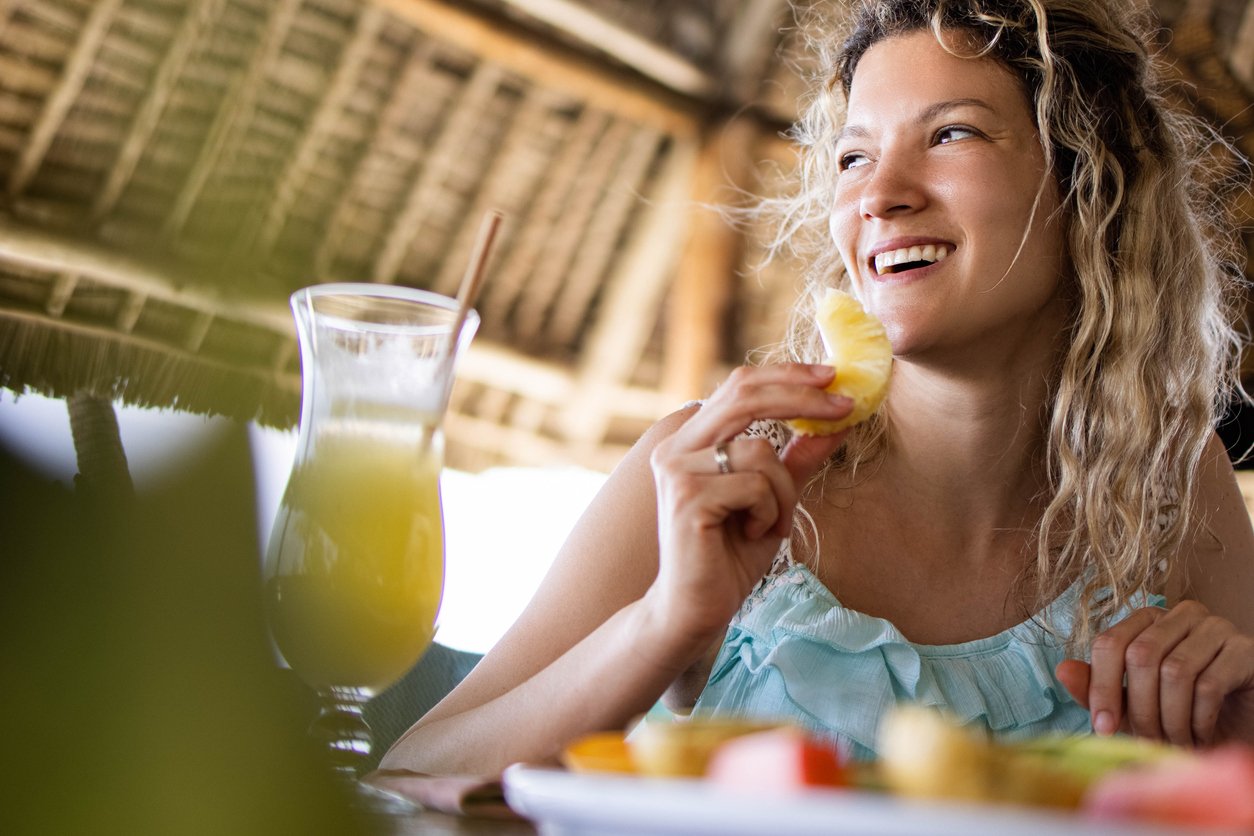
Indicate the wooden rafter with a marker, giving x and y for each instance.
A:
(501, 180)
(633, 297)
(320, 127)
(46, 252)
(571, 308)
(748, 46)
(386, 129)
(198, 18)
(7, 8)
(61, 291)
(544, 281)
(509, 279)
(550, 64)
(235, 108)
(62, 98)
(641, 54)
(472, 101)
(1243, 50)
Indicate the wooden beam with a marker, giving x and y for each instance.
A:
(544, 214)
(571, 309)
(61, 292)
(62, 98)
(1243, 50)
(57, 257)
(388, 126)
(128, 313)
(632, 298)
(434, 169)
(196, 20)
(235, 107)
(545, 279)
(706, 278)
(7, 7)
(747, 48)
(330, 110)
(498, 367)
(550, 65)
(642, 55)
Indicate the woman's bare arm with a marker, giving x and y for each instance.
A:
(587, 639)
(1219, 570)
(645, 584)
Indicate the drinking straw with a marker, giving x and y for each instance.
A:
(472, 279)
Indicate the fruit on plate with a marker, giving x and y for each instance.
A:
(782, 759)
(682, 747)
(858, 347)
(925, 754)
(1212, 788)
(598, 752)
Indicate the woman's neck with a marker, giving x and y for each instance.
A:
(969, 448)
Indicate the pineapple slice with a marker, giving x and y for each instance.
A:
(859, 349)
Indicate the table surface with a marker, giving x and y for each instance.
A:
(430, 823)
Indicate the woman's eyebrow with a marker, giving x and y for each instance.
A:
(927, 114)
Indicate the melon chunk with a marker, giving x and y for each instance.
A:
(858, 347)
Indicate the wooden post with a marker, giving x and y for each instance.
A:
(706, 280)
(102, 466)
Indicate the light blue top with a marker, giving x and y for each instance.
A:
(794, 652)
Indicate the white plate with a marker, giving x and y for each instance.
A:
(570, 804)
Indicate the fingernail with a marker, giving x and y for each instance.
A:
(843, 401)
(1104, 723)
(823, 371)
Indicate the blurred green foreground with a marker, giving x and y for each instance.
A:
(138, 694)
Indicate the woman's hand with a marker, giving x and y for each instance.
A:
(1181, 675)
(719, 528)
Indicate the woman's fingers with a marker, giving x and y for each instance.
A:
(1109, 666)
(746, 476)
(1162, 674)
(1074, 675)
(1186, 672)
(788, 390)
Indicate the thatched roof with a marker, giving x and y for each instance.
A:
(172, 169)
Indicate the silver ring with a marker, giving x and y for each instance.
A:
(722, 459)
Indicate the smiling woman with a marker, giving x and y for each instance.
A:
(1040, 509)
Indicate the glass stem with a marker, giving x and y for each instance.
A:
(342, 729)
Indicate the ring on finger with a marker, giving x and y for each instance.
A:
(722, 459)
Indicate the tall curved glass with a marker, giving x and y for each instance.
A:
(354, 571)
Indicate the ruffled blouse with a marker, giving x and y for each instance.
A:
(794, 652)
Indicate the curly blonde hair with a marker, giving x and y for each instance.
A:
(1152, 353)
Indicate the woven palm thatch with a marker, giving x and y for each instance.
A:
(170, 170)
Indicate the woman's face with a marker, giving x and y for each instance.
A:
(940, 164)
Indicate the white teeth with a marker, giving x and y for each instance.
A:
(884, 262)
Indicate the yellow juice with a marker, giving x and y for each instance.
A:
(355, 568)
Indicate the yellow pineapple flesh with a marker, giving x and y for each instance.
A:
(858, 347)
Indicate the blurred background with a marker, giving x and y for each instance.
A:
(171, 170)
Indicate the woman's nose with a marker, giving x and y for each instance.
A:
(894, 188)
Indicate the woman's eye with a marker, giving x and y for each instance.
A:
(953, 133)
(851, 160)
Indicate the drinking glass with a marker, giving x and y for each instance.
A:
(354, 571)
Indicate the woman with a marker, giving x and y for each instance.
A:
(1043, 474)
